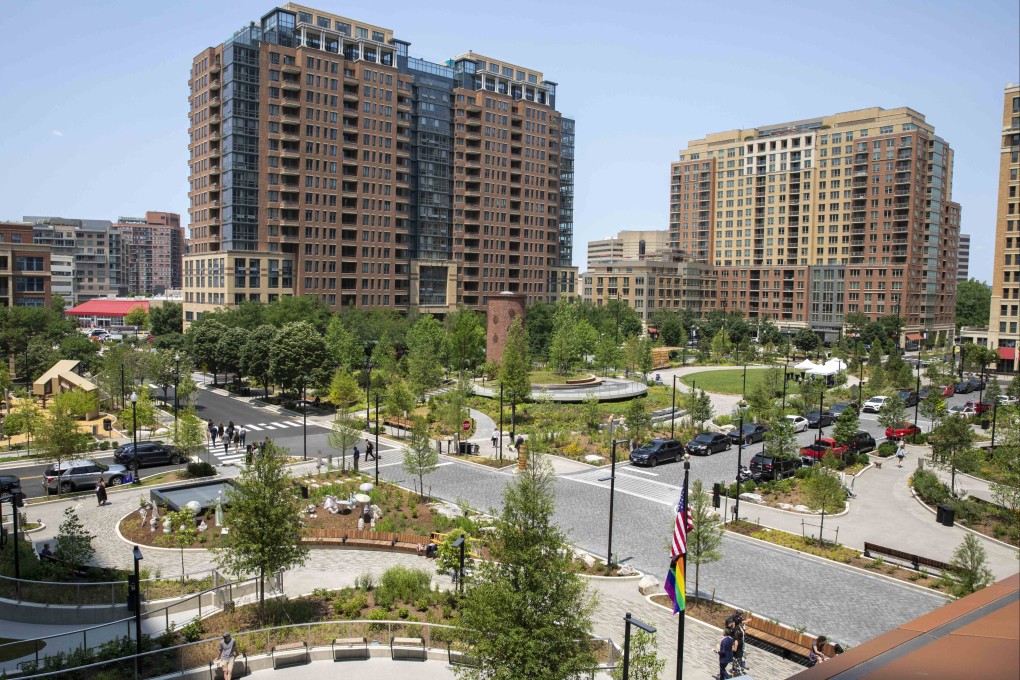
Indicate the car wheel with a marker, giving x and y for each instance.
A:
(728, 446)
(653, 461)
(66, 487)
(176, 460)
(748, 441)
(679, 457)
(116, 481)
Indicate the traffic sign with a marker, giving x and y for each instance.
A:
(466, 425)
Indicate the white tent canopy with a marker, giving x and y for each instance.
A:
(806, 365)
(830, 367)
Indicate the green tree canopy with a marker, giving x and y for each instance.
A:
(781, 440)
(60, 436)
(420, 456)
(426, 350)
(137, 316)
(167, 318)
(298, 355)
(952, 445)
(202, 339)
(256, 355)
(465, 339)
(230, 350)
(516, 368)
(344, 348)
(973, 303)
(806, 340)
(847, 425)
(704, 541)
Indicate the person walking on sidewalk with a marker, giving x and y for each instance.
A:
(725, 652)
(357, 455)
(495, 438)
(900, 452)
(101, 492)
(226, 445)
(243, 433)
(221, 431)
(369, 450)
(212, 432)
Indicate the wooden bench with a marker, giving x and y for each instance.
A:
(409, 648)
(915, 561)
(350, 648)
(292, 653)
(354, 538)
(402, 423)
(216, 673)
(788, 640)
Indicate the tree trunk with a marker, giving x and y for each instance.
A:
(697, 569)
(262, 592)
(952, 480)
(821, 527)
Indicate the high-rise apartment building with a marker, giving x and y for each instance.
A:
(327, 161)
(24, 268)
(1003, 330)
(91, 247)
(810, 220)
(630, 244)
(152, 252)
(963, 259)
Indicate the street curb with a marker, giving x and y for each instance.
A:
(457, 458)
(957, 524)
(841, 565)
(152, 547)
(120, 488)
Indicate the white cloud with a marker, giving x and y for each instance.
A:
(57, 133)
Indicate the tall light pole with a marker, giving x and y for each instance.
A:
(137, 555)
(672, 414)
(612, 497)
(304, 416)
(917, 392)
(743, 391)
(501, 422)
(177, 381)
(786, 375)
(368, 385)
(740, 454)
(629, 620)
(377, 439)
(134, 433)
(683, 556)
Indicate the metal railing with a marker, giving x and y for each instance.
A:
(319, 635)
(97, 593)
(199, 604)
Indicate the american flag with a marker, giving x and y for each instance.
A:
(684, 523)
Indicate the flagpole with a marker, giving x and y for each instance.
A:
(683, 612)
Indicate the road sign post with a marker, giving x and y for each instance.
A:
(466, 425)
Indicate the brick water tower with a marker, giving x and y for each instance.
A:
(501, 311)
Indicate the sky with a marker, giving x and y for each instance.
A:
(94, 94)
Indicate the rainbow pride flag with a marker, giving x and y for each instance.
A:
(676, 584)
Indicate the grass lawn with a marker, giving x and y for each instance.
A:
(729, 381)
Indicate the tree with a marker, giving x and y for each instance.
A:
(590, 410)
(973, 303)
(645, 356)
(607, 354)
(762, 397)
(343, 347)
(384, 362)
(672, 331)
(60, 436)
(344, 391)
(298, 354)
(256, 355)
(5, 384)
(638, 419)
(140, 415)
(77, 347)
(515, 372)
(343, 435)
(167, 318)
(426, 350)
(698, 406)
(77, 402)
(822, 491)
(645, 663)
(264, 518)
(168, 371)
(721, 345)
(781, 441)
(705, 539)
(202, 339)
(564, 351)
(1006, 487)
(898, 373)
(893, 412)
(465, 336)
(183, 534)
(420, 457)
(933, 407)
(972, 572)
(40, 357)
(952, 445)
(528, 608)
(24, 417)
(846, 427)
(230, 350)
(806, 340)
(137, 316)
(190, 432)
(74, 542)
(876, 374)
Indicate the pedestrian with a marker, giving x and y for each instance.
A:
(357, 455)
(220, 430)
(725, 652)
(519, 442)
(244, 434)
(495, 438)
(46, 555)
(101, 492)
(212, 432)
(369, 450)
(237, 441)
(900, 452)
(247, 454)
(230, 431)
(226, 446)
(225, 661)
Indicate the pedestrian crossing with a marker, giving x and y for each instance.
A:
(256, 433)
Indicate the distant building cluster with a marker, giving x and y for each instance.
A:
(82, 259)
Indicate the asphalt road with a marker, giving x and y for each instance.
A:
(32, 474)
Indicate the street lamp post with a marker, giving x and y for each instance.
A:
(304, 416)
(743, 390)
(672, 414)
(612, 497)
(786, 374)
(177, 381)
(860, 367)
(629, 620)
(501, 422)
(368, 385)
(459, 543)
(995, 413)
(917, 392)
(137, 555)
(740, 455)
(377, 439)
(821, 409)
(134, 433)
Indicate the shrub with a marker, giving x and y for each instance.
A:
(192, 630)
(364, 582)
(723, 420)
(966, 510)
(104, 445)
(406, 585)
(804, 472)
(403, 612)
(929, 487)
(200, 469)
(352, 606)
(918, 438)
(886, 449)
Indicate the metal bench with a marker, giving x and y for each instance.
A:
(290, 654)
(409, 648)
(350, 648)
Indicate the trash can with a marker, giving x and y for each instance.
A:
(940, 513)
(948, 516)
(985, 423)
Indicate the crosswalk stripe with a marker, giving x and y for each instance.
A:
(254, 427)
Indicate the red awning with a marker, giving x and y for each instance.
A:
(101, 307)
(913, 336)
(1007, 353)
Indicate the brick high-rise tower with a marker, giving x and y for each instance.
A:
(327, 161)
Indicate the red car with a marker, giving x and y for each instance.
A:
(946, 391)
(900, 431)
(979, 406)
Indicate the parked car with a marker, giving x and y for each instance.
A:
(811, 454)
(816, 419)
(923, 394)
(946, 391)
(863, 442)
(708, 443)
(839, 407)
(976, 384)
(750, 433)
(657, 451)
(148, 453)
(964, 411)
(9, 484)
(902, 430)
(909, 397)
(1006, 400)
(799, 423)
(769, 467)
(874, 405)
(979, 406)
(81, 475)
(963, 387)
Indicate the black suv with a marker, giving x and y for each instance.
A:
(750, 434)
(774, 468)
(838, 408)
(862, 443)
(963, 387)
(708, 443)
(9, 484)
(148, 453)
(816, 420)
(976, 384)
(657, 451)
(909, 397)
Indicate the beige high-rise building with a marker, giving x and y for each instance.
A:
(1003, 331)
(152, 251)
(651, 283)
(629, 244)
(327, 161)
(810, 220)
